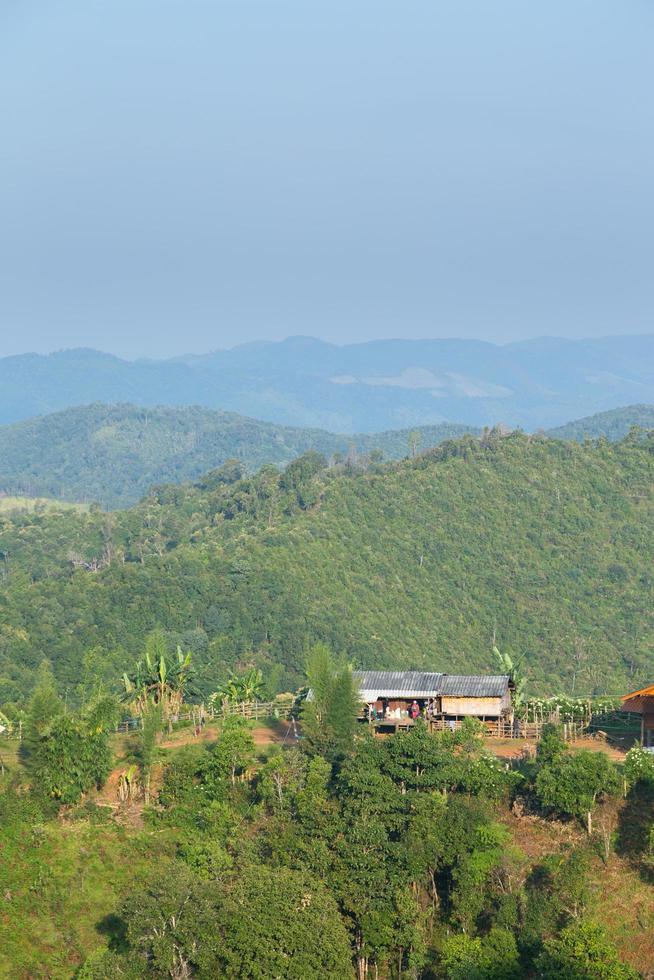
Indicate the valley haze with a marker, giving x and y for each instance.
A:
(367, 387)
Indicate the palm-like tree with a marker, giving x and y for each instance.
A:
(243, 687)
(512, 667)
(158, 679)
(251, 685)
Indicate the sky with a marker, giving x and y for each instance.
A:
(186, 175)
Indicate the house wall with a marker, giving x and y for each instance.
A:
(648, 730)
(477, 707)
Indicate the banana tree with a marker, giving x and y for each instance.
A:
(128, 784)
(237, 688)
(511, 667)
(159, 680)
(251, 685)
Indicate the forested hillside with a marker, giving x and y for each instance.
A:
(544, 546)
(611, 425)
(113, 454)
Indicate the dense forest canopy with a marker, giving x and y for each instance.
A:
(543, 546)
(113, 454)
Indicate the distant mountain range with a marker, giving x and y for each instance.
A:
(376, 386)
(113, 454)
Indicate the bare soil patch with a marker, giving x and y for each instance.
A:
(516, 748)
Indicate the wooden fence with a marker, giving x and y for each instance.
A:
(505, 729)
(196, 714)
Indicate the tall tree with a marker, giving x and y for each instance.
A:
(44, 706)
(330, 710)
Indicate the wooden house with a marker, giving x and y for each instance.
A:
(482, 697)
(388, 696)
(642, 703)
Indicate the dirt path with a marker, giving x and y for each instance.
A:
(279, 734)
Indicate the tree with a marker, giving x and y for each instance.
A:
(281, 778)
(169, 925)
(424, 842)
(260, 924)
(509, 666)
(492, 957)
(240, 687)
(330, 710)
(414, 442)
(70, 758)
(151, 725)
(159, 679)
(639, 766)
(582, 952)
(233, 752)
(44, 706)
(572, 783)
(551, 745)
(418, 760)
(281, 923)
(104, 964)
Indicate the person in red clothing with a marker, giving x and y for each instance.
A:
(414, 710)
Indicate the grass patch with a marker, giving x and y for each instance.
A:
(58, 882)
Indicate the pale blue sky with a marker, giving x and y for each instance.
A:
(178, 175)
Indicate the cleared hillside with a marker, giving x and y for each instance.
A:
(113, 454)
(544, 545)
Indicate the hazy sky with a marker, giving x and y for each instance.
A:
(178, 175)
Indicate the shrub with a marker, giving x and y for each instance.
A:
(571, 784)
(639, 766)
(582, 952)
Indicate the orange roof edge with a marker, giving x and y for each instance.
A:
(645, 692)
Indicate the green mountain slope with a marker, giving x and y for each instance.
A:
(113, 454)
(545, 545)
(611, 425)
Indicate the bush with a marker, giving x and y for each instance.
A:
(639, 766)
(582, 952)
(572, 783)
(493, 957)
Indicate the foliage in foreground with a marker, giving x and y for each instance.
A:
(387, 860)
(390, 858)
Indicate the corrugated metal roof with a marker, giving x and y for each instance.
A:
(413, 684)
(398, 683)
(471, 686)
